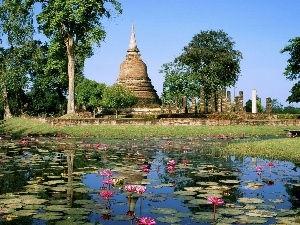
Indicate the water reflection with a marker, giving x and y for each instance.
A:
(178, 175)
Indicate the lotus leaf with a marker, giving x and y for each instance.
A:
(169, 219)
(250, 219)
(202, 217)
(162, 210)
(201, 183)
(230, 211)
(230, 181)
(193, 188)
(286, 212)
(198, 201)
(184, 193)
(261, 213)
(57, 208)
(289, 220)
(26, 212)
(250, 200)
(48, 216)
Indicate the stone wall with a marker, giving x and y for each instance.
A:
(172, 121)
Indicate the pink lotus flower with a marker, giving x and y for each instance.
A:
(145, 221)
(140, 189)
(110, 181)
(171, 163)
(185, 161)
(106, 194)
(259, 167)
(270, 164)
(145, 169)
(215, 200)
(130, 188)
(171, 169)
(106, 173)
(103, 173)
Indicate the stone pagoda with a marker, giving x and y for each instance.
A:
(133, 74)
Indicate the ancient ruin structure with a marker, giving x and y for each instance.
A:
(133, 74)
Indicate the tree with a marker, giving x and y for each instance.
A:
(292, 70)
(16, 28)
(212, 62)
(88, 93)
(118, 97)
(277, 107)
(259, 106)
(175, 85)
(76, 24)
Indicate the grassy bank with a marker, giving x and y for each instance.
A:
(21, 126)
(281, 148)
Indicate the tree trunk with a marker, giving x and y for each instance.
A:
(71, 73)
(7, 113)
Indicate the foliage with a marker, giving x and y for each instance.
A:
(295, 93)
(71, 27)
(88, 93)
(211, 60)
(177, 83)
(291, 110)
(292, 70)
(259, 106)
(118, 97)
(277, 107)
(43, 102)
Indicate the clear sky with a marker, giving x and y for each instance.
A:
(259, 28)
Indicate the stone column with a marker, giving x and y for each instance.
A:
(219, 101)
(241, 101)
(268, 105)
(202, 103)
(184, 104)
(254, 106)
(212, 103)
(194, 105)
(228, 102)
(236, 104)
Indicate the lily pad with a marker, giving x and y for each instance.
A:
(169, 219)
(161, 210)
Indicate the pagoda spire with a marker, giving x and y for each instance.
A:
(132, 49)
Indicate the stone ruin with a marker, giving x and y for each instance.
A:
(133, 75)
(218, 103)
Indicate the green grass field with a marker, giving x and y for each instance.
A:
(282, 148)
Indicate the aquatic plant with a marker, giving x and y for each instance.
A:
(145, 221)
(215, 201)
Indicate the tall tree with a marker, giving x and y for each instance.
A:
(211, 60)
(292, 70)
(78, 24)
(74, 23)
(17, 31)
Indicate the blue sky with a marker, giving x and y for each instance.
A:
(259, 28)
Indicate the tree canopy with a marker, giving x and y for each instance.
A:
(292, 70)
(71, 27)
(118, 97)
(88, 94)
(209, 62)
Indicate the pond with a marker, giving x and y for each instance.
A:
(64, 180)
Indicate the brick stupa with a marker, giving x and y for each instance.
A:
(133, 74)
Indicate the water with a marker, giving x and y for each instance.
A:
(36, 189)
